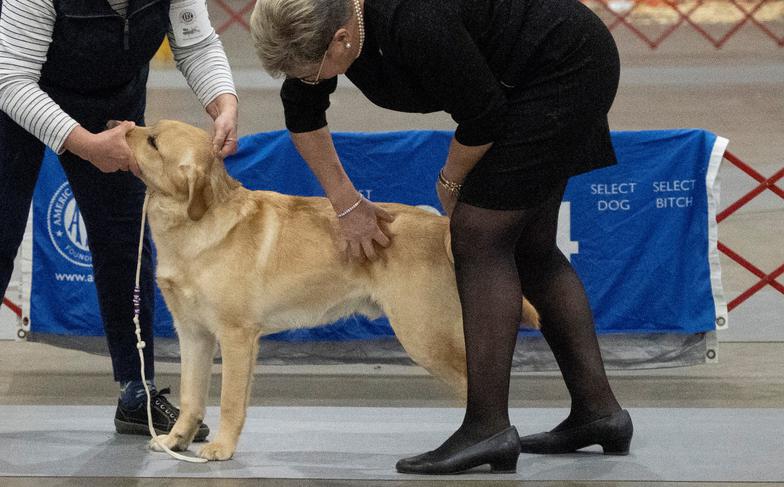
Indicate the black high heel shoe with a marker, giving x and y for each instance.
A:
(613, 433)
(500, 451)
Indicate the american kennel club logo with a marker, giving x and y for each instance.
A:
(66, 227)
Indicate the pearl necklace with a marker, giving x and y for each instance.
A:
(360, 24)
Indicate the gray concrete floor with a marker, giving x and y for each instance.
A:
(749, 375)
(363, 444)
(189, 482)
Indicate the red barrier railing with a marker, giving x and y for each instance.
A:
(747, 15)
(765, 184)
(671, 15)
(13, 307)
(685, 13)
(235, 16)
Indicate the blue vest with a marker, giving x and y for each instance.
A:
(97, 64)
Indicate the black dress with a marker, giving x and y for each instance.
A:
(535, 77)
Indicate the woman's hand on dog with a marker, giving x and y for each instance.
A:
(107, 150)
(362, 229)
(223, 110)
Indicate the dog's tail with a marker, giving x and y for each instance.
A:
(448, 245)
(530, 315)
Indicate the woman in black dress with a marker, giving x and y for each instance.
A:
(529, 83)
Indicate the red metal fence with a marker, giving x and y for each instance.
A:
(13, 307)
(652, 21)
(664, 17)
(238, 16)
(765, 184)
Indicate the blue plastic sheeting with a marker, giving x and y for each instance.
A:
(640, 234)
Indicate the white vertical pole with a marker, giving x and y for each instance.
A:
(26, 268)
(18, 288)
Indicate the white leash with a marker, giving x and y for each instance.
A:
(137, 299)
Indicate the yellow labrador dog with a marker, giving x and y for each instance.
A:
(235, 264)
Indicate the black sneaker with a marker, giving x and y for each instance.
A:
(164, 415)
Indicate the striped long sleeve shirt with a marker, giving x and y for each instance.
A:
(26, 28)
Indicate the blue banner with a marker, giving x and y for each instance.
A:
(641, 234)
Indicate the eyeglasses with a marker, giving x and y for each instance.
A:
(314, 80)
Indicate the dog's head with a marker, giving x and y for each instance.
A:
(177, 160)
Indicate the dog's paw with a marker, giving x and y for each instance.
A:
(171, 442)
(216, 451)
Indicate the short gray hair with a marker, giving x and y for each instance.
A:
(289, 34)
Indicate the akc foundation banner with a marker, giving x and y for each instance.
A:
(641, 234)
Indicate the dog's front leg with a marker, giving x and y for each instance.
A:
(197, 350)
(239, 347)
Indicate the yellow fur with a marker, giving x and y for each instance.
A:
(235, 264)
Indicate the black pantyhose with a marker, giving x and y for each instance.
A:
(550, 283)
(496, 250)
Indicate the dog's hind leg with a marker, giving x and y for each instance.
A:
(239, 347)
(197, 350)
(428, 323)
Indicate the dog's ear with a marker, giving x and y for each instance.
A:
(198, 199)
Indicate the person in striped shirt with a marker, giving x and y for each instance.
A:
(67, 68)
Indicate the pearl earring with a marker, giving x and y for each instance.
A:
(348, 45)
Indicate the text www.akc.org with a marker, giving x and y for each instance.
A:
(73, 277)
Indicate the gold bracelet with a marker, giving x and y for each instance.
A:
(350, 208)
(452, 187)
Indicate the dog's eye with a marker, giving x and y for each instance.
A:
(151, 141)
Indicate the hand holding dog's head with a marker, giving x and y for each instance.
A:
(175, 159)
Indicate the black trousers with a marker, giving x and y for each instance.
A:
(111, 206)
